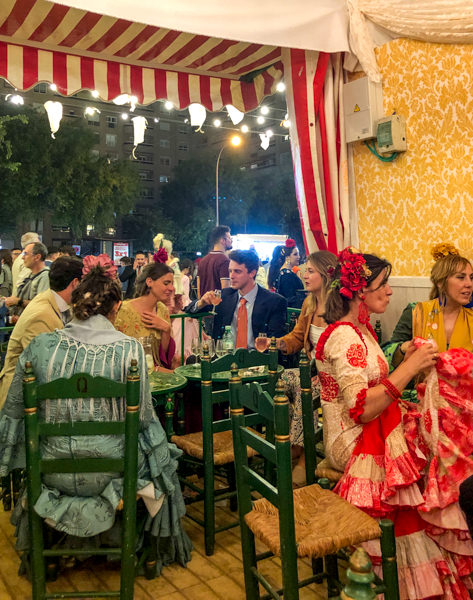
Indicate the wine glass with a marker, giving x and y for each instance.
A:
(216, 299)
(211, 345)
(196, 349)
(261, 342)
(220, 348)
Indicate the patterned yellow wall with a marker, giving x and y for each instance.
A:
(426, 195)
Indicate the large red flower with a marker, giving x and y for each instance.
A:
(356, 356)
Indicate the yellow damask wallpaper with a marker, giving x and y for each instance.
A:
(426, 195)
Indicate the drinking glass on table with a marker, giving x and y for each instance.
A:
(220, 349)
(215, 300)
(210, 345)
(196, 349)
(262, 342)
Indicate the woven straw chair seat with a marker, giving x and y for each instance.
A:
(325, 469)
(324, 523)
(192, 444)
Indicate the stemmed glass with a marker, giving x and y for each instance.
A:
(196, 350)
(220, 348)
(261, 342)
(216, 299)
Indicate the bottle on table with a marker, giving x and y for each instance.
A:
(228, 340)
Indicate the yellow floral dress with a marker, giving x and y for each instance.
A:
(129, 322)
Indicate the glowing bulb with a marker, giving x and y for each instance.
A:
(260, 120)
(236, 140)
(53, 87)
(217, 122)
(286, 123)
(269, 133)
(124, 116)
(245, 128)
(95, 94)
(156, 120)
(264, 110)
(280, 87)
(168, 105)
(15, 98)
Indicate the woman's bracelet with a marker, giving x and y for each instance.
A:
(391, 389)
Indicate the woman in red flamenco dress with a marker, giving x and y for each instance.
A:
(401, 461)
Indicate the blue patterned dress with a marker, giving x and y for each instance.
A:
(84, 505)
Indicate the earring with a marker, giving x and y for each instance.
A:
(363, 312)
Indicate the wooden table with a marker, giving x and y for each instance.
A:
(163, 387)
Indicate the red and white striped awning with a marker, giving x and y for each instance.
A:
(76, 50)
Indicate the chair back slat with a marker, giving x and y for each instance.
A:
(263, 447)
(261, 485)
(80, 428)
(80, 385)
(82, 465)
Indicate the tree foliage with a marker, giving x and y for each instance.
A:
(61, 176)
(249, 202)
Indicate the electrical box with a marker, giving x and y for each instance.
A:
(391, 134)
(363, 107)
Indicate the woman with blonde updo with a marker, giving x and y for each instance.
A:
(444, 317)
(84, 505)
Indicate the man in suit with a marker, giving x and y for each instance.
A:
(47, 311)
(247, 307)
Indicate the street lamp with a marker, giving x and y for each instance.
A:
(235, 141)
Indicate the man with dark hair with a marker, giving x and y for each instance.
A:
(140, 262)
(213, 268)
(38, 281)
(46, 312)
(67, 251)
(247, 307)
(53, 253)
(127, 276)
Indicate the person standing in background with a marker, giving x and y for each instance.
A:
(213, 268)
(19, 270)
(6, 264)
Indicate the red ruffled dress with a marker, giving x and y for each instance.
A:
(406, 464)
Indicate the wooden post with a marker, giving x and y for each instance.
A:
(360, 578)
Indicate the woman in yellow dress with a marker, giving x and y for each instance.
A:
(147, 314)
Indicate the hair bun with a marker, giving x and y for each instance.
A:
(442, 250)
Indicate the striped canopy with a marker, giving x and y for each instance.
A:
(76, 49)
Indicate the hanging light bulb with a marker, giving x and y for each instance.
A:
(94, 93)
(53, 87)
(269, 133)
(15, 98)
(245, 129)
(281, 86)
(235, 115)
(90, 111)
(286, 123)
(168, 105)
(54, 110)
(124, 116)
(264, 110)
(156, 120)
(217, 122)
(260, 120)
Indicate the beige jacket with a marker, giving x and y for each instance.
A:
(42, 315)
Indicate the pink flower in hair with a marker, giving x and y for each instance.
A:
(103, 261)
(160, 256)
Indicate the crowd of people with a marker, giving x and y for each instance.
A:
(397, 419)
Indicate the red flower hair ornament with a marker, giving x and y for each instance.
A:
(160, 256)
(103, 262)
(353, 273)
(290, 243)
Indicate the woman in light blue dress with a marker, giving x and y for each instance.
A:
(84, 505)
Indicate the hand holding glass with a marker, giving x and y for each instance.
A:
(215, 300)
(262, 342)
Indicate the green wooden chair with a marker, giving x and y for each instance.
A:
(310, 522)
(82, 385)
(210, 451)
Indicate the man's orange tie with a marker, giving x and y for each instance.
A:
(242, 325)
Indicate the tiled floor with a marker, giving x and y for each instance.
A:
(218, 577)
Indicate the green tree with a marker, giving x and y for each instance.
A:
(188, 201)
(61, 176)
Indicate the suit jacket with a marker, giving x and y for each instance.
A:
(42, 315)
(269, 313)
